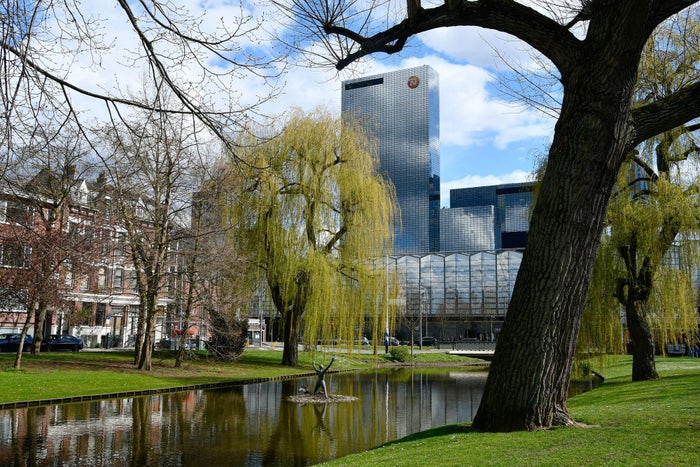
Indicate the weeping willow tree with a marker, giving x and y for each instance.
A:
(318, 219)
(653, 218)
(643, 270)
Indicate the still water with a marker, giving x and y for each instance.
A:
(249, 425)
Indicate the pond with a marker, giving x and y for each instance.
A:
(251, 425)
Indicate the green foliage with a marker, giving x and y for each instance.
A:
(318, 218)
(400, 354)
(649, 252)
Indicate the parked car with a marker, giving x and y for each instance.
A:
(55, 343)
(9, 342)
(363, 341)
(429, 341)
(393, 341)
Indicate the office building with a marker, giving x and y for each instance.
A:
(512, 203)
(467, 228)
(401, 110)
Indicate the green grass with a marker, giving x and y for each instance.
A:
(644, 423)
(66, 374)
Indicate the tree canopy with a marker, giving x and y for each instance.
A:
(319, 219)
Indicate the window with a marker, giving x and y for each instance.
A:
(13, 299)
(134, 282)
(118, 282)
(120, 247)
(14, 212)
(104, 242)
(14, 255)
(84, 281)
(68, 278)
(101, 279)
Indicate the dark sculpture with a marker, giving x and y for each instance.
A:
(320, 375)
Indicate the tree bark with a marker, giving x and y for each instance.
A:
(290, 354)
(643, 360)
(536, 346)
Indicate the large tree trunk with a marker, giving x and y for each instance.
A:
(147, 346)
(290, 354)
(140, 332)
(643, 362)
(633, 292)
(536, 346)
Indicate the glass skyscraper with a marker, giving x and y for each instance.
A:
(401, 110)
(511, 202)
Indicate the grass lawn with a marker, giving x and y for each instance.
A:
(644, 423)
(66, 374)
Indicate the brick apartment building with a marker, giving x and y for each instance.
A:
(91, 290)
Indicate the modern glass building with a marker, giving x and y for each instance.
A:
(453, 296)
(512, 203)
(467, 229)
(401, 110)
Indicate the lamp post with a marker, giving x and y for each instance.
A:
(260, 315)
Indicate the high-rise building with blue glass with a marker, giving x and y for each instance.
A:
(511, 204)
(401, 111)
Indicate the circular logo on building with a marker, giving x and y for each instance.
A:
(413, 82)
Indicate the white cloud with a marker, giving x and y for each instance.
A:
(480, 47)
(469, 181)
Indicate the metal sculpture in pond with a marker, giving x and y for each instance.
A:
(320, 377)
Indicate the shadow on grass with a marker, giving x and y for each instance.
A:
(458, 428)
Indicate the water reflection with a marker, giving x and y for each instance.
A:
(241, 425)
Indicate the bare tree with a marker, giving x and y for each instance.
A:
(58, 56)
(597, 54)
(152, 169)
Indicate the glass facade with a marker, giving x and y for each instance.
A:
(512, 203)
(401, 110)
(467, 229)
(454, 268)
(455, 295)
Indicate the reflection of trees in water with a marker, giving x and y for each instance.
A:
(215, 419)
(140, 430)
(241, 425)
(28, 433)
(286, 434)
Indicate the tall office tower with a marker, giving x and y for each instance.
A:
(512, 203)
(467, 229)
(401, 110)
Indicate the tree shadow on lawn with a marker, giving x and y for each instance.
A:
(457, 428)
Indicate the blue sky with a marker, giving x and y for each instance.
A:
(486, 137)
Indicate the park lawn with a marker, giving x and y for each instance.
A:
(68, 374)
(644, 423)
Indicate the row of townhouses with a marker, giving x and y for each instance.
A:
(61, 242)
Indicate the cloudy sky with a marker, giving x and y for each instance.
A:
(486, 137)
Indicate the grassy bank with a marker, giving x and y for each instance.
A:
(645, 423)
(68, 374)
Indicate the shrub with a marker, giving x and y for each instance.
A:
(400, 354)
(228, 336)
